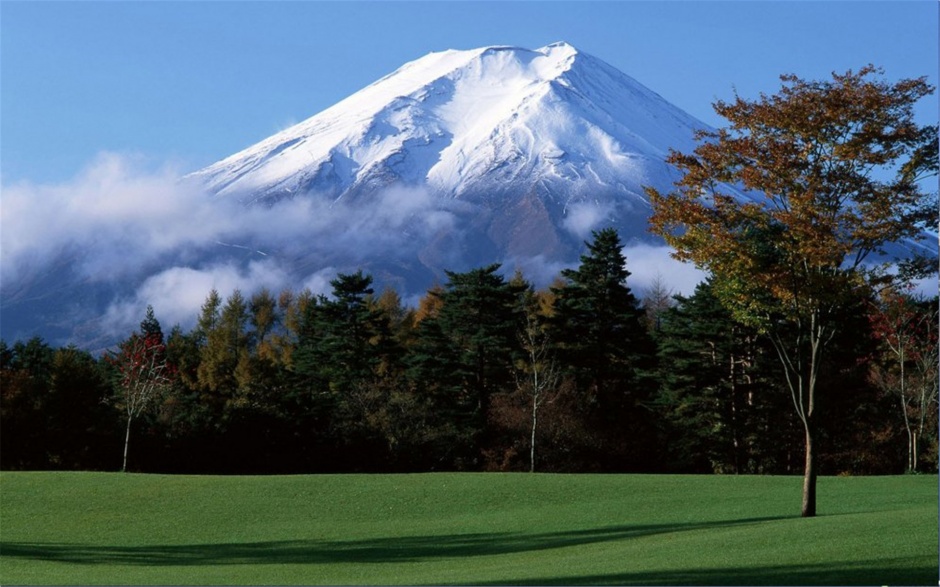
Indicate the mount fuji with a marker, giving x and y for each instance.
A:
(467, 122)
(531, 148)
(455, 160)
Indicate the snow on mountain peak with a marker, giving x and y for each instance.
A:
(471, 121)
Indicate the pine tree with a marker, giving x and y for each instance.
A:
(344, 337)
(344, 354)
(479, 316)
(465, 350)
(605, 346)
(598, 321)
(150, 327)
(709, 385)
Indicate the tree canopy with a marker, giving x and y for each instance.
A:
(790, 205)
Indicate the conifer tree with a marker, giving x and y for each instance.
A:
(224, 360)
(479, 317)
(605, 346)
(710, 384)
(598, 322)
(344, 351)
(349, 334)
(150, 327)
(465, 350)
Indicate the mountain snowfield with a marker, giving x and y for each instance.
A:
(468, 123)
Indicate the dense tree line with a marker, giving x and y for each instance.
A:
(486, 373)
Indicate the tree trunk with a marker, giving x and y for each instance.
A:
(809, 473)
(127, 441)
(907, 420)
(535, 409)
(910, 450)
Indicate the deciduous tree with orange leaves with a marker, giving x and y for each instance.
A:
(790, 208)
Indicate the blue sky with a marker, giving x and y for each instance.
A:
(192, 82)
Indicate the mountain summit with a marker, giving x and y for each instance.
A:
(461, 122)
(543, 145)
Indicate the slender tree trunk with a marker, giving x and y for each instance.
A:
(803, 392)
(910, 451)
(907, 420)
(535, 409)
(127, 441)
(809, 473)
(734, 415)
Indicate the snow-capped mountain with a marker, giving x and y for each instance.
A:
(469, 122)
(521, 135)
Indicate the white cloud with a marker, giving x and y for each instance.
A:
(178, 293)
(123, 217)
(647, 262)
(144, 230)
(583, 217)
(537, 270)
(319, 282)
(117, 214)
(166, 243)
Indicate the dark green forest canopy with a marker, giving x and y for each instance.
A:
(356, 381)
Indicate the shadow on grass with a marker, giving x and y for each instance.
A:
(427, 548)
(893, 571)
(368, 550)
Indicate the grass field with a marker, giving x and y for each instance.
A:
(95, 528)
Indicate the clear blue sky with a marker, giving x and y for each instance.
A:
(192, 82)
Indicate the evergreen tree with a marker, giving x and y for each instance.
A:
(24, 391)
(345, 353)
(708, 385)
(479, 317)
(78, 426)
(599, 322)
(51, 413)
(150, 327)
(607, 349)
(465, 350)
(433, 370)
(344, 338)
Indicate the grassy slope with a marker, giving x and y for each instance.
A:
(92, 528)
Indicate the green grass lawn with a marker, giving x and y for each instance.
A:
(96, 528)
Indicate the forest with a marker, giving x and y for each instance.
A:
(485, 374)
